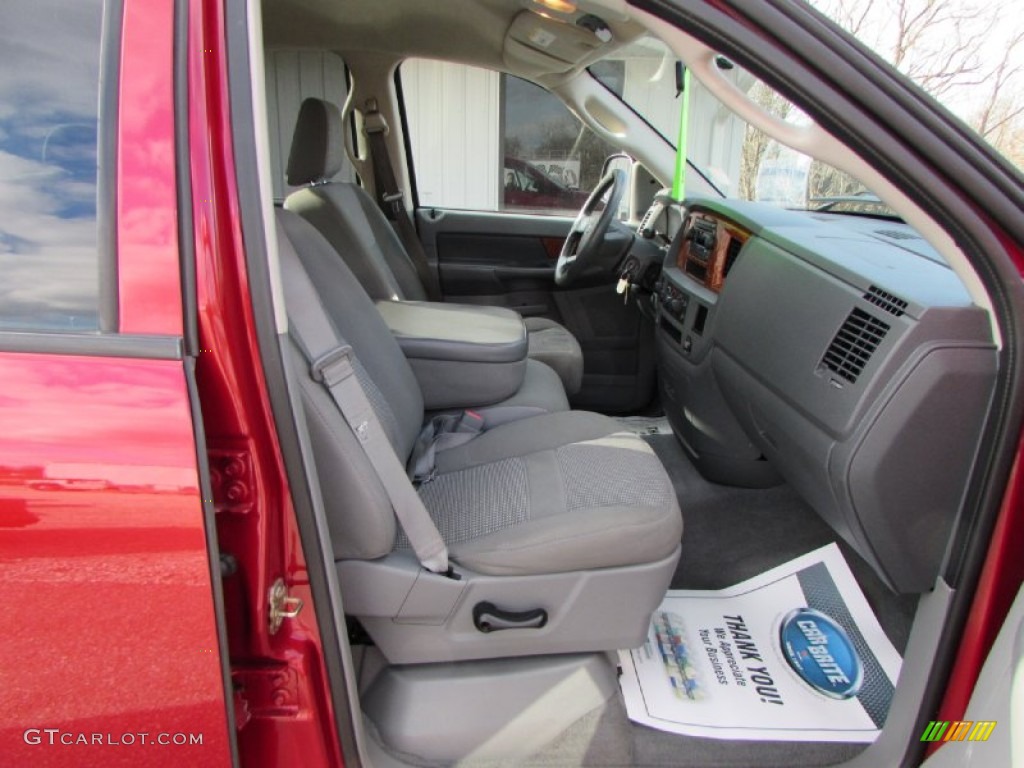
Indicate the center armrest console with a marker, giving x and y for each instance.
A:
(463, 355)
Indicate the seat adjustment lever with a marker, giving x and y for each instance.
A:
(487, 617)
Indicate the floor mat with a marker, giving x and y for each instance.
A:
(732, 534)
(793, 654)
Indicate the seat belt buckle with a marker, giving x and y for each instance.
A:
(470, 422)
(418, 481)
(374, 122)
(394, 201)
(333, 367)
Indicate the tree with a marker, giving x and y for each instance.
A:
(998, 120)
(592, 151)
(1007, 133)
(824, 181)
(513, 146)
(962, 52)
(965, 53)
(756, 143)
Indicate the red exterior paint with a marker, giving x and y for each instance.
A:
(111, 631)
(103, 557)
(147, 223)
(1001, 577)
(283, 702)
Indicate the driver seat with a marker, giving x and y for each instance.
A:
(351, 222)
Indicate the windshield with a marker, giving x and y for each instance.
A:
(740, 160)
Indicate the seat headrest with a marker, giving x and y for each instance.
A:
(318, 144)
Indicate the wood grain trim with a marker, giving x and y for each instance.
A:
(552, 246)
(712, 273)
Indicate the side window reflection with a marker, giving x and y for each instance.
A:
(49, 92)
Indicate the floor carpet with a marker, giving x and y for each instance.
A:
(729, 534)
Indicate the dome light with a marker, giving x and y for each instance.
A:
(559, 6)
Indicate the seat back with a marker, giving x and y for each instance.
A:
(361, 519)
(343, 212)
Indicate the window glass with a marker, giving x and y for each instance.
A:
(483, 140)
(770, 172)
(739, 159)
(643, 75)
(960, 52)
(49, 92)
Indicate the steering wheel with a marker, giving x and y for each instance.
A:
(594, 245)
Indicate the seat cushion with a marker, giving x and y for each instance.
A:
(540, 393)
(552, 344)
(554, 493)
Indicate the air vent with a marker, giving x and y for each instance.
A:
(853, 345)
(897, 234)
(894, 305)
(731, 254)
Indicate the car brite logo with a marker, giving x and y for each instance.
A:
(958, 730)
(821, 653)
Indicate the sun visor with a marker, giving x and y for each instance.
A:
(547, 45)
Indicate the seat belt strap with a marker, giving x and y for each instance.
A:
(391, 200)
(332, 364)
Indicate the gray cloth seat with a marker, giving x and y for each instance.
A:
(552, 344)
(357, 229)
(559, 496)
(565, 492)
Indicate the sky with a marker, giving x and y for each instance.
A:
(49, 70)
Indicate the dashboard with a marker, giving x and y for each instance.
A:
(835, 352)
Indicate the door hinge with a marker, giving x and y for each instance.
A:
(282, 606)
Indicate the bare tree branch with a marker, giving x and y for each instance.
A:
(1004, 73)
(956, 50)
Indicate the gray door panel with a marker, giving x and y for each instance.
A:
(507, 259)
(511, 251)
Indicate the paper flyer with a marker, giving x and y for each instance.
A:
(795, 654)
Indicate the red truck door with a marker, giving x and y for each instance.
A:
(110, 653)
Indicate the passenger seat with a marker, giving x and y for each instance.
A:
(357, 229)
(563, 513)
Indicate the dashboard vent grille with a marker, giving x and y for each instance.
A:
(731, 254)
(853, 345)
(894, 305)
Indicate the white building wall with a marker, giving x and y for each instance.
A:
(455, 138)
